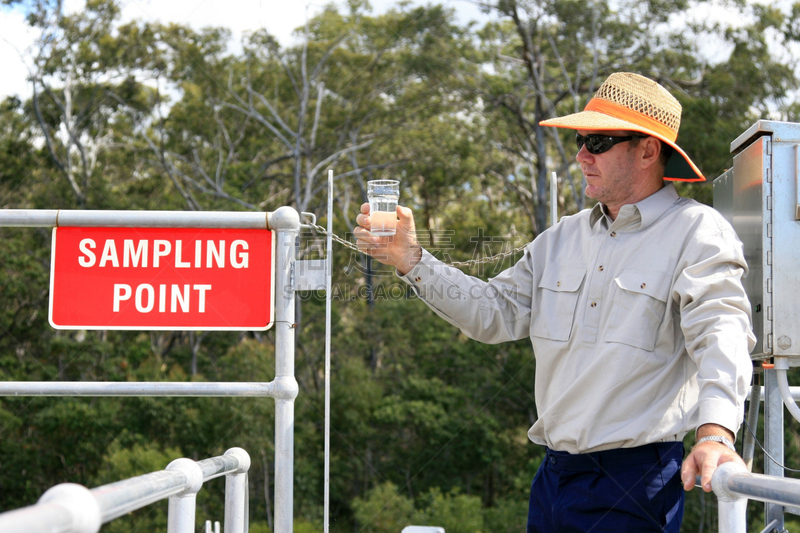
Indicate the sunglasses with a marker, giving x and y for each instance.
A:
(597, 144)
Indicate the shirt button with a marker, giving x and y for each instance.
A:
(418, 279)
(644, 285)
(613, 233)
(594, 304)
(601, 268)
(558, 284)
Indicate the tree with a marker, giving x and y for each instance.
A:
(427, 425)
(547, 58)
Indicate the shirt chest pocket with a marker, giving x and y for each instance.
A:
(640, 302)
(558, 299)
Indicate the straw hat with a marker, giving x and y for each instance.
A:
(632, 102)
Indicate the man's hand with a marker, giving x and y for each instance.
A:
(401, 250)
(706, 457)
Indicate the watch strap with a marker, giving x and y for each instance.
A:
(718, 438)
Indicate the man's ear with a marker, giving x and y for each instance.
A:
(651, 150)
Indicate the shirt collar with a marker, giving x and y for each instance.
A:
(645, 212)
(598, 212)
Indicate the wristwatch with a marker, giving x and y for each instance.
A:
(720, 439)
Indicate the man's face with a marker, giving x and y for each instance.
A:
(610, 176)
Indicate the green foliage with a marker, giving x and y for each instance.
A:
(386, 510)
(123, 463)
(509, 515)
(383, 510)
(454, 512)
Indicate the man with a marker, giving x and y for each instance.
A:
(638, 319)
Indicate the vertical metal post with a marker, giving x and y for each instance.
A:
(553, 199)
(773, 441)
(328, 299)
(732, 507)
(732, 516)
(182, 513)
(286, 223)
(236, 494)
(182, 506)
(751, 427)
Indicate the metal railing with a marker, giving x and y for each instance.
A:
(53, 218)
(278, 388)
(734, 485)
(73, 508)
(285, 221)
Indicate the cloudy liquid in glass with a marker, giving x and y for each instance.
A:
(383, 215)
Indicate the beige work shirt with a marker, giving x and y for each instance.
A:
(640, 326)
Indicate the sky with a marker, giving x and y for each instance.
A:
(279, 17)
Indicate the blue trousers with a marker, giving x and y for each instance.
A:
(623, 490)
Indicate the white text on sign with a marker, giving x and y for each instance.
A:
(145, 298)
(136, 255)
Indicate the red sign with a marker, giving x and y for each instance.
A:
(162, 278)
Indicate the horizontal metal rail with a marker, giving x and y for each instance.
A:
(734, 485)
(113, 388)
(49, 218)
(40, 518)
(270, 389)
(795, 392)
(72, 508)
(122, 497)
(215, 467)
(279, 388)
(769, 489)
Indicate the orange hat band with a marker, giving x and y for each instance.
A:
(629, 115)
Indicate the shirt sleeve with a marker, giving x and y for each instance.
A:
(492, 312)
(715, 319)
